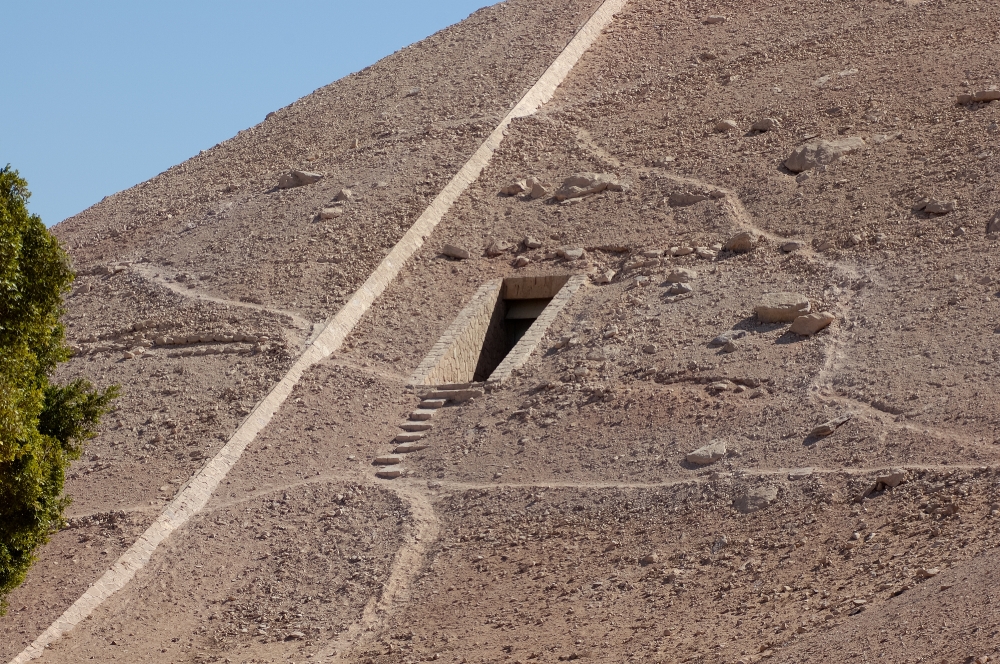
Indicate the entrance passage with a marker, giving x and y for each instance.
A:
(497, 331)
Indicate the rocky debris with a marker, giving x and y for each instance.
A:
(649, 559)
(764, 125)
(681, 276)
(993, 225)
(586, 184)
(537, 189)
(452, 251)
(723, 126)
(681, 251)
(679, 289)
(571, 253)
(685, 198)
(983, 96)
(740, 243)
(756, 499)
(515, 188)
(531, 243)
(925, 573)
(821, 153)
(830, 426)
(344, 195)
(522, 261)
(713, 19)
(298, 179)
(726, 337)
(934, 206)
(892, 479)
(331, 212)
(663, 161)
(707, 454)
(705, 253)
(797, 474)
(494, 249)
(810, 324)
(604, 277)
(781, 307)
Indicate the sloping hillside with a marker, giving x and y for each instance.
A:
(564, 514)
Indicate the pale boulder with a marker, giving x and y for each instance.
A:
(821, 153)
(298, 179)
(756, 499)
(585, 184)
(515, 188)
(708, 454)
(810, 324)
(781, 307)
(765, 124)
(452, 251)
(724, 126)
(681, 276)
(740, 243)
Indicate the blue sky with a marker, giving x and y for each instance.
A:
(101, 95)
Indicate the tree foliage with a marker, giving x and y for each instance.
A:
(43, 425)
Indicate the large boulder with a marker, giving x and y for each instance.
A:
(298, 179)
(820, 153)
(810, 324)
(756, 499)
(710, 453)
(585, 184)
(781, 307)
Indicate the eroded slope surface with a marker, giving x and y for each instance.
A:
(558, 516)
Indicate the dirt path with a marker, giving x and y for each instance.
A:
(155, 274)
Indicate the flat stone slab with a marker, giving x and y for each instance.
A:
(456, 396)
(416, 426)
(781, 307)
(421, 414)
(407, 448)
(433, 403)
(386, 460)
(408, 437)
(389, 473)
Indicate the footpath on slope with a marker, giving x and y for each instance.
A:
(196, 493)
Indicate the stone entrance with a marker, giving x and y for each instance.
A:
(497, 331)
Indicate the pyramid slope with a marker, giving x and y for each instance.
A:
(557, 517)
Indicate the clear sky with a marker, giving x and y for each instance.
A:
(98, 96)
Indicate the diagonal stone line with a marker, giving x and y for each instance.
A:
(197, 492)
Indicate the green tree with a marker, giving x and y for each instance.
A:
(43, 425)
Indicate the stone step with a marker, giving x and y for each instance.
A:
(389, 473)
(456, 396)
(421, 414)
(408, 437)
(416, 426)
(386, 460)
(433, 403)
(406, 448)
